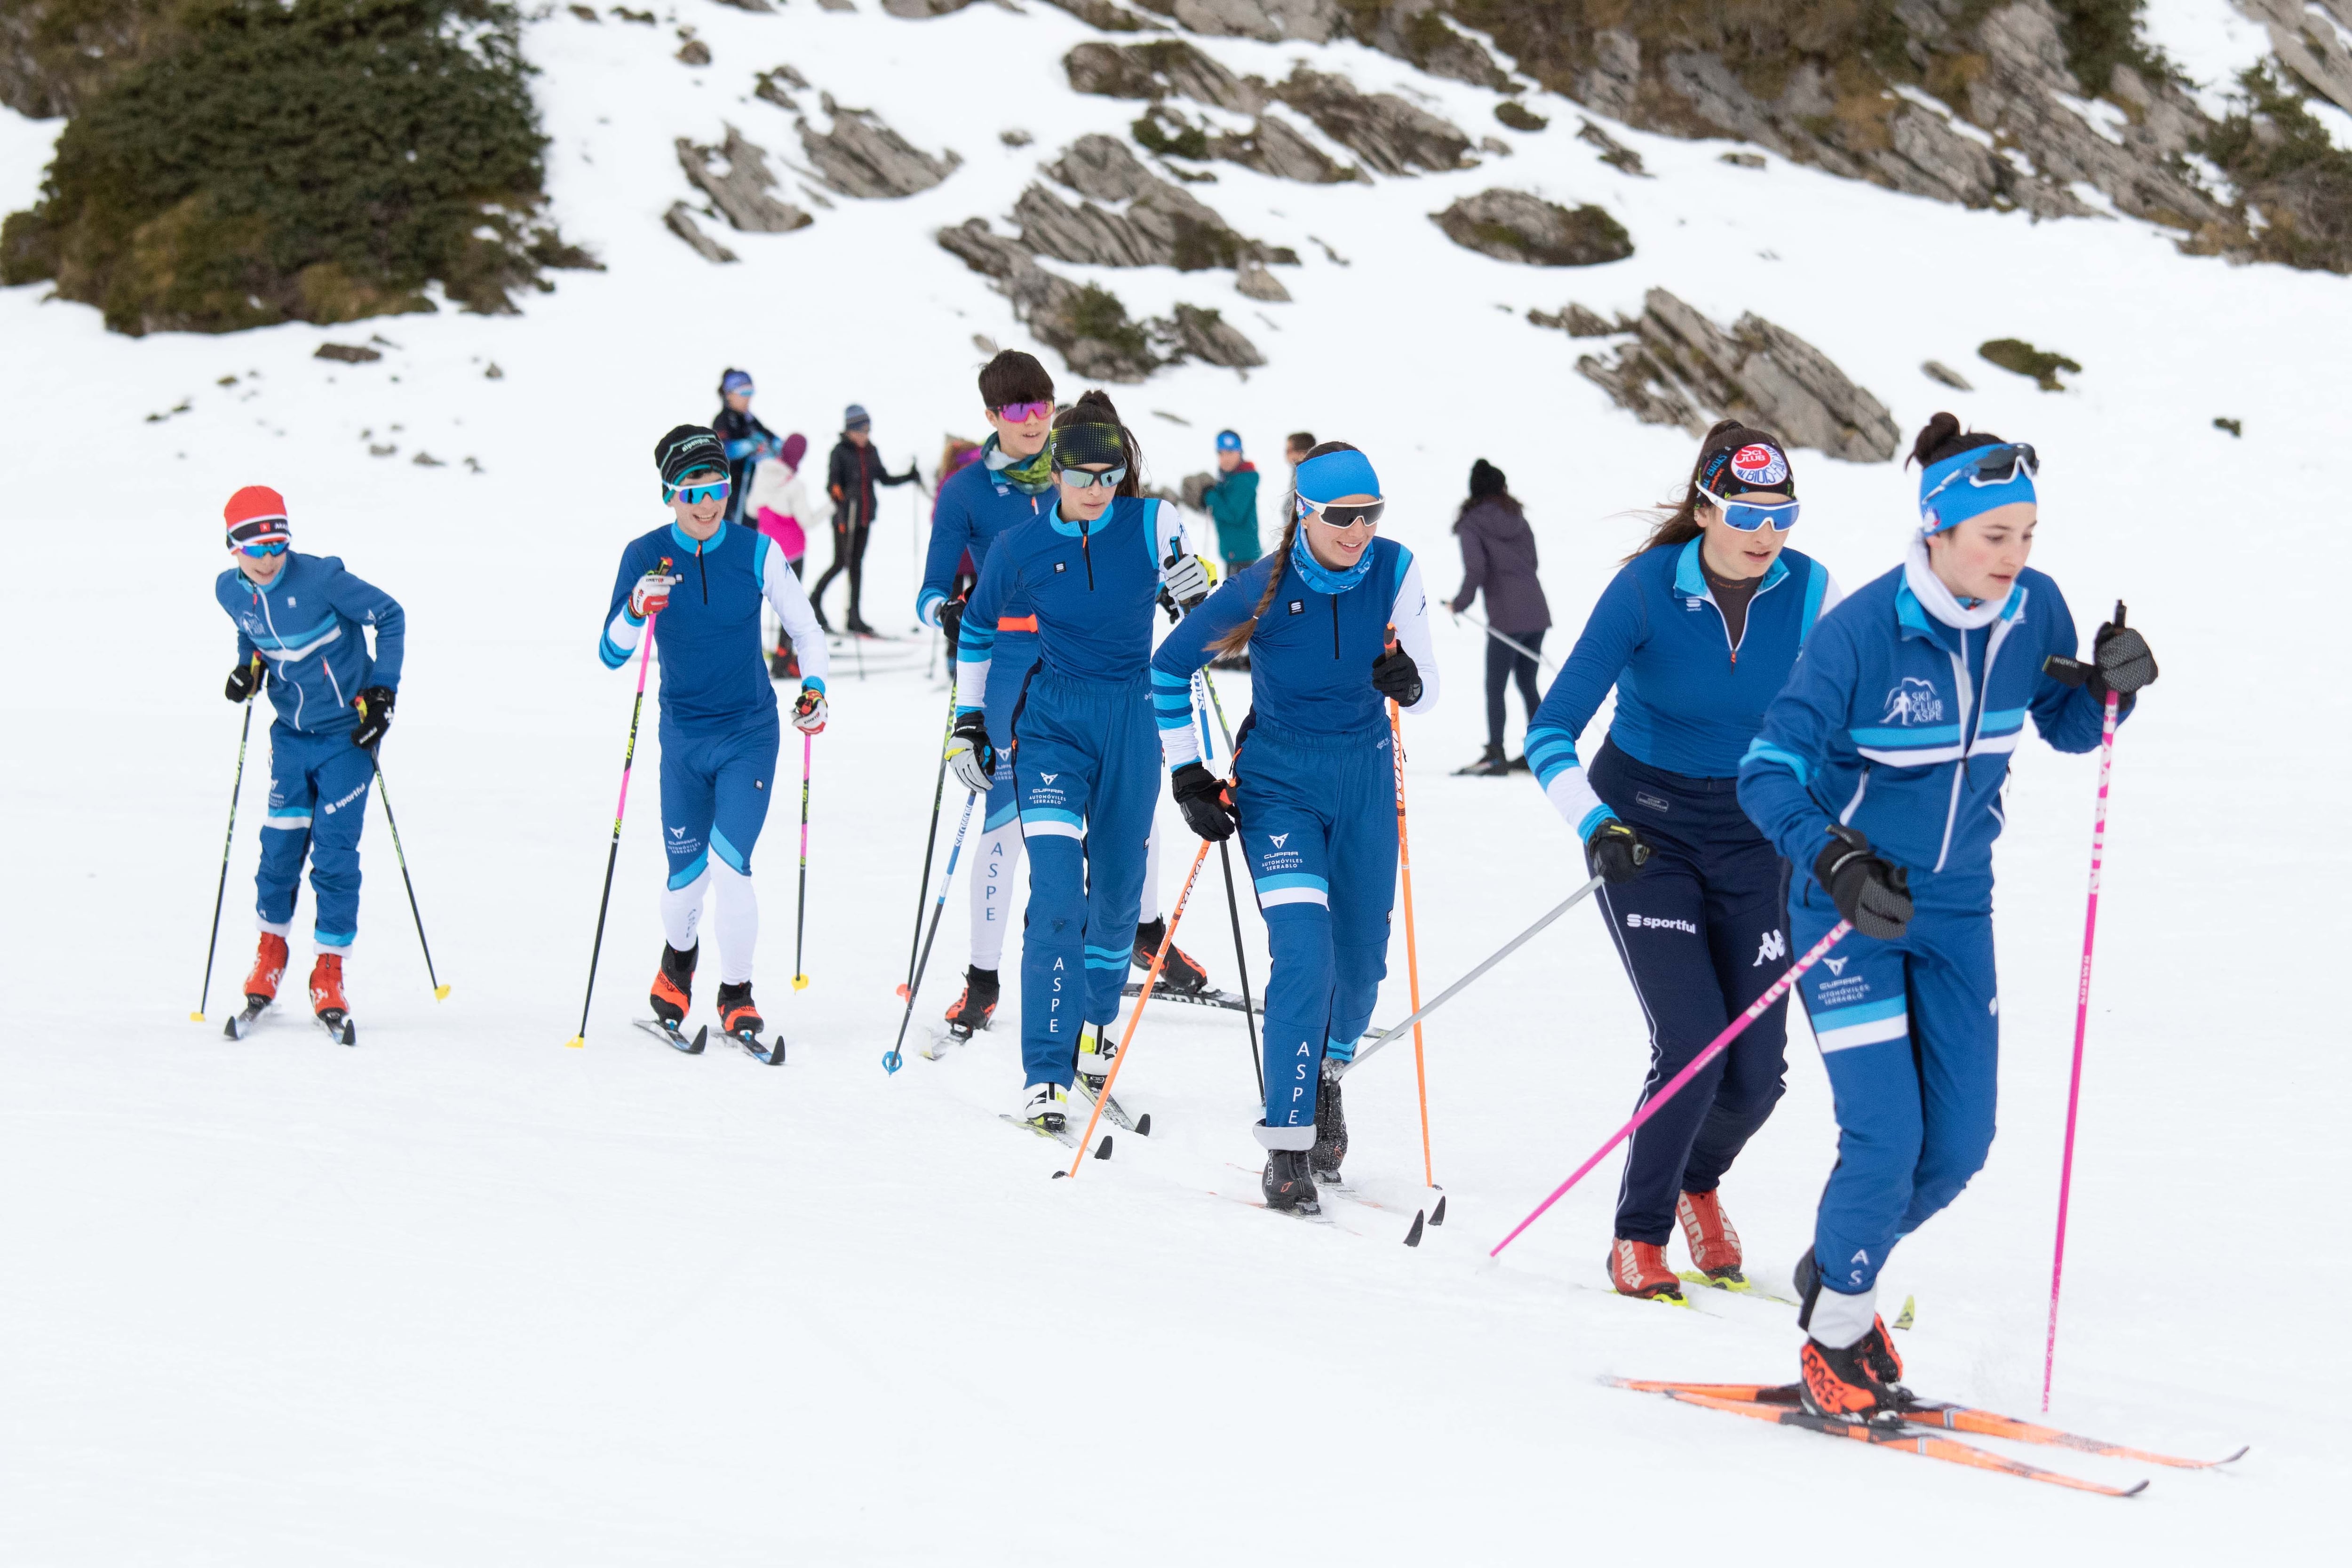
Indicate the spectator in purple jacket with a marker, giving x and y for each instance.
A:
(1498, 558)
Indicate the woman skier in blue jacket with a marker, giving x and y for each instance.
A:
(1085, 773)
(1335, 621)
(1696, 633)
(1879, 773)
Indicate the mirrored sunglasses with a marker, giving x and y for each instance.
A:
(1993, 466)
(1088, 478)
(269, 547)
(1022, 413)
(1347, 516)
(1749, 516)
(695, 495)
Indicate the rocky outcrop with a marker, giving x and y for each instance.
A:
(1207, 336)
(862, 157)
(1679, 368)
(735, 177)
(1272, 147)
(1253, 281)
(2306, 46)
(1164, 67)
(1162, 225)
(1391, 136)
(679, 221)
(1267, 21)
(1512, 226)
(1579, 323)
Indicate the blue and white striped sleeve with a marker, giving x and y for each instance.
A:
(622, 629)
(976, 638)
(1600, 653)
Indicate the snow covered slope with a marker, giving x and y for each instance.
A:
(461, 1296)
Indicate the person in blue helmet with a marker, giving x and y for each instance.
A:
(1879, 773)
(749, 443)
(1696, 633)
(705, 578)
(1336, 624)
(301, 624)
(1232, 502)
(1079, 745)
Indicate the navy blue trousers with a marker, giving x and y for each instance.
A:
(1703, 932)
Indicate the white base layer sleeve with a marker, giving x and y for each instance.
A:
(994, 861)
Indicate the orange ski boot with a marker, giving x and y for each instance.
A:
(1639, 1268)
(1841, 1382)
(673, 991)
(268, 968)
(1714, 1245)
(738, 1014)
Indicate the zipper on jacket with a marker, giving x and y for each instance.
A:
(1088, 555)
(1335, 625)
(704, 571)
(1743, 625)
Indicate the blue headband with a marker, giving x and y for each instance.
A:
(1324, 479)
(1948, 496)
(736, 380)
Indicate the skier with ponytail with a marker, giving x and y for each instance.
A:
(1696, 632)
(1078, 743)
(1336, 623)
(1879, 773)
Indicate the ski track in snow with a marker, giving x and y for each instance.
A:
(462, 1295)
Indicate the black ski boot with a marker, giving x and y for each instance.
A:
(673, 991)
(738, 1013)
(855, 625)
(976, 1006)
(1490, 767)
(1182, 973)
(1289, 1183)
(1330, 1131)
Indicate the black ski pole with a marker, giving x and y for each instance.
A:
(799, 915)
(891, 1060)
(931, 836)
(212, 943)
(440, 992)
(1249, 1008)
(628, 760)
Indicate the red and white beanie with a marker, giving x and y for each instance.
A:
(256, 515)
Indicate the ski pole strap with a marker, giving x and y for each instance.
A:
(1435, 1002)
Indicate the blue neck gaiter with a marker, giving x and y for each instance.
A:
(1321, 578)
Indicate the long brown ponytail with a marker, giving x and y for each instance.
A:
(1238, 639)
(1676, 522)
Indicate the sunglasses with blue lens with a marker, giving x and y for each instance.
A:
(1748, 516)
(695, 495)
(1088, 478)
(274, 547)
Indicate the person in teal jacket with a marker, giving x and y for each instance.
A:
(1233, 503)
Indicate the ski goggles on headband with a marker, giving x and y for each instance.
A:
(1749, 516)
(1022, 413)
(1334, 515)
(696, 494)
(1991, 465)
(1088, 478)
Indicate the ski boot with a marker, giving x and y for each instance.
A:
(1860, 1382)
(1180, 973)
(1330, 1131)
(327, 1002)
(268, 966)
(1095, 1055)
(1490, 767)
(673, 991)
(1044, 1106)
(783, 664)
(738, 1014)
(855, 627)
(1288, 1183)
(976, 1006)
(1639, 1268)
(1714, 1245)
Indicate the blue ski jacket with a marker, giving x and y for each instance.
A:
(306, 625)
(977, 506)
(1688, 698)
(714, 667)
(1901, 725)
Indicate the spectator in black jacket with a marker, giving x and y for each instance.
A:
(850, 480)
(749, 443)
(1498, 558)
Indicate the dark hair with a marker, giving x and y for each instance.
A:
(1676, 522)
(1306, 438)
(1238, 639)
(1094, 406)
(1942, 437)
(1015, 377)
(1487, 482)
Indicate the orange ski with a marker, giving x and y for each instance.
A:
(1896, 1436)
(1937, 1414)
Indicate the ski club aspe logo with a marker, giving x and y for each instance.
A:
(1914, 701)
(1757, 464)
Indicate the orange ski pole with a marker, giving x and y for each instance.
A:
(1411, 951)
(1159, 959)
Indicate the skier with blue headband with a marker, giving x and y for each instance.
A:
(1879, 773)
(1335, 621)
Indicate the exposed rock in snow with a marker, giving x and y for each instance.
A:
(1682, 369)
(1254, 282)
(1415, 30)
(865, 158)
(2312, 50)
(1935, 370)
(1163, 225)
(1512, 226)
(1613, 152)
(1272, 147)
(916, 9)
(741, 191)
(1391, 136)
(1579, 323)
(1204, 334)
(1268, 21)
(1164, 67)
(679, 221)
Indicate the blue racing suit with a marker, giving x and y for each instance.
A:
(1899, 722)
(306, 625)
(1316, 790)
(1082, 755)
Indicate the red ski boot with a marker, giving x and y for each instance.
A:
(1180, 973)
(268, 968)
(1714, 1245)
(673, 992)
(977, 1005)
(1639, 1268)
(327, 1002)
(738, 1014)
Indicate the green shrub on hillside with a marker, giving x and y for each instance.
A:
(319, 161)
(2287, 168)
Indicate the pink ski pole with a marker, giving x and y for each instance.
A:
(611, 857)
(1714, 1048)
(2081, 1023)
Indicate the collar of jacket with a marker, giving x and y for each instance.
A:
(1069, 530)
(1032, 476)
(1690, 583)
(1321, 578)
(271, 586)
(1923, 604)
(694, 546)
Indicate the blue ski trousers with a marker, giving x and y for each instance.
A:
(318, 804)
(714, 795)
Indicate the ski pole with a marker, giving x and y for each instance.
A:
(440, 992)
(212, 943)
(1714, 1048)
(1443, 997)
(800, 914)
(2081, 1023)
(628, 760)
(1411, 953)
(1158, 961)
(892, 1060)
(931, 835)
(1507, 640)
(1232, 908)
(1209, 682)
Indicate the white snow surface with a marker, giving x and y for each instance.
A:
(463, 1296)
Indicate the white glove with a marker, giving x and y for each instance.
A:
(970, 755)
(1187, 578)
(651, 596)
(810, 712)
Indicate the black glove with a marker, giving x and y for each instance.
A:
(1868, 890)
(375, 716)
(971, 755)
(2121, 661)
(1395, 676)
(245, 680)
(952, 623)
(1615, 852)
(1201, 796)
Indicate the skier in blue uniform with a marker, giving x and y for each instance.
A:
(1080, 748)
(299, 628)
(704, 577)
(1879, 773)
(1335, 621)
(749, 443)
(1696, 632)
